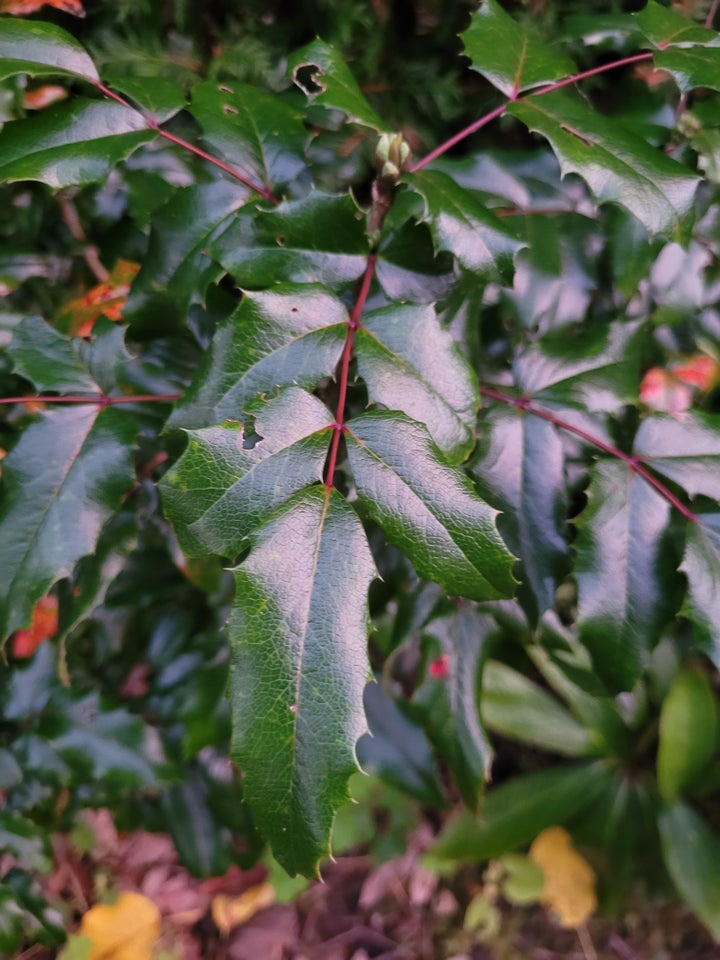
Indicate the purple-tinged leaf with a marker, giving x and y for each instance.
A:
(509, 56)
(686, 449)
(298, 632)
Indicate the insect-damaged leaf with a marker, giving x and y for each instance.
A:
(428, 508)
(298, 632)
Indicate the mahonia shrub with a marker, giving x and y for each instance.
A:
(460, 403)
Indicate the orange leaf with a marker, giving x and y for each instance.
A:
(660, 390)
(106, 299)
(229, 912)
(43, 626)
(569, 888)
(23, 8)
(699, 371)
(43, 96)
(124, 930)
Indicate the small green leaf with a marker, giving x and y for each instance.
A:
(509, 56)
(322, 73)
(427, 508)
(298, 632)
(290, 436)
(686, 450)
(71, 143)
(410, 363)
(287, 335)
(319, 239)
(176, 269)
(252, 129)
(688, 732)
(516, 707)
(692, 855)
(625, 570)
(42, 49)
(514, 813)
(617, 165)
(61, 482)
(461, 224)
(701, 566)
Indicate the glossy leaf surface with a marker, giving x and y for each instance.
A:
(49, 360)
(42, 49)
(299, 664)
(701, 565)
(427, 508)
(687, 450)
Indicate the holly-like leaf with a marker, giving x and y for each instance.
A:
(61, 482)
(625, 572)
(521, 469)
(509, 56)
(461, 224)
(408, 267)
(159, 98)
(692, 67)
(49, 360)
(176, 269)
(666, 26)
(253, 471)
(287, 335)
(42, 49)
(701, 566)
(686, 450)
(428, 508)
(71, 143)
(322, 73)
(319, 239)
(617, 165)
(410, 363)
(298, 632)
(253, 129)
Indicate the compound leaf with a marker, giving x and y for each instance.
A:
(298, 632)
(428, 508)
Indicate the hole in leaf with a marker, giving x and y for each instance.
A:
(306, 76)
(281, 240)
(251, 439)
(223, 89)
(227, 108)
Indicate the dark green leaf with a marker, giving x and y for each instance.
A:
(625, 572)
(692, 855)
(40, 49)
(322, 73)
(617, 165)
(158, 98)
(176, 269)
(49, 360)
(511, 57)
(202, 844)
(516, 707)
(410, 363)
(692, 67)
(288, 335)
(61, 482)
(319, 239)
(461, 224)
(666, 26)
(286, 451)
(521, 469)
(514, 813)
(407, 266)
(71, 143)
(427, 508)
(701, 566)
(686, 450)
(252, 129)
(299, 665)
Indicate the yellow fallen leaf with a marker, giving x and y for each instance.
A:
(229, 912)
(124, 930)
(569, 888)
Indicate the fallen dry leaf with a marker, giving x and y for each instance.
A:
(569, 888)
(105, 299)
(43, 96)
(229, 912)
(124, 930)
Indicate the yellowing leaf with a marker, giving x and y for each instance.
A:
(124, 930)
(569, 888)
(229, 912)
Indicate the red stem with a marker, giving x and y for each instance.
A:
(344, 367)
(710, 18)
(100, 399)
(522, 403)
(498, 111)
(152, 124)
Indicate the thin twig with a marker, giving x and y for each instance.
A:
(634, 463)
(69, 214)
(588, 948)
(712, 13)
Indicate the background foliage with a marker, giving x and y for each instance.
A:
(525, 322)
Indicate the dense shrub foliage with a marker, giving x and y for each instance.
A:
(317, 392)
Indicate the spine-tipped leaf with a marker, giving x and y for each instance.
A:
(298, 632)
(427, 508)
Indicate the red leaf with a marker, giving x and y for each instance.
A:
(43, 626)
